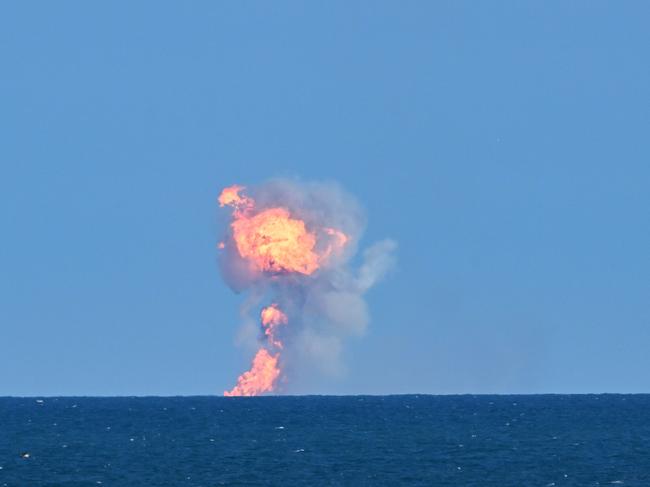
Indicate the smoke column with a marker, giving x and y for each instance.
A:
(289, 246)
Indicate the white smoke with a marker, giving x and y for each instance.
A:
(326, 307)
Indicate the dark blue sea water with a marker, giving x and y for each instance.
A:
(547, 440)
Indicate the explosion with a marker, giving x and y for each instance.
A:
(290, 242)
(275, 242)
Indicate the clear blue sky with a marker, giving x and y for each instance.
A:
(504, 145)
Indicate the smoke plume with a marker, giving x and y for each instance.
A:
(290, 246)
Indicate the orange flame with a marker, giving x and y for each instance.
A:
(274, 241)
(260, 378)
(230, 196)
(272, 316)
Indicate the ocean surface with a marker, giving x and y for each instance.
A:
(541, 440)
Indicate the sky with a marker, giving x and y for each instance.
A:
(503, 145)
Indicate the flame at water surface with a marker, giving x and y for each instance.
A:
(260, 378)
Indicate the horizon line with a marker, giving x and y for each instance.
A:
(188, 396)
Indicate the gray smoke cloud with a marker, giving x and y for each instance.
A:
(324, 308)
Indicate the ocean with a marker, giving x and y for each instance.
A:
(467, 440)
